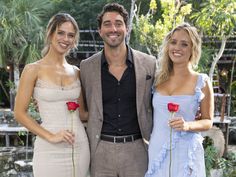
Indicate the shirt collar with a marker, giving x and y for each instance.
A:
(129, 59)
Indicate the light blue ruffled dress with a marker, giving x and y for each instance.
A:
(187, 150)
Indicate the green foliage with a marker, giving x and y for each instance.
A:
(216, 18)
(205, 60)
(85, 11)
(150, 32)
(21, 31)
(4, 96)
(210, 158)
(233, 98)
(230, 165)
(11, 84)
(233, 87)
(33, 110)
(213, 161)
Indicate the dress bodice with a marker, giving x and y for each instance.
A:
(48, 92)
(188, 104)
(51, 100)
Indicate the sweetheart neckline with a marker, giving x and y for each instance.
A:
(174, 95)
(56, 85)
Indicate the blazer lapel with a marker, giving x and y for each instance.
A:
(140, 75)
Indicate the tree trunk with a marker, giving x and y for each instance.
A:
(132, 14)
(217, 56)
(10, 80)
(15, 84)
(4, 90)
(16, 76)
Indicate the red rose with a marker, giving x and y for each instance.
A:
(173, 107)
(72, 106)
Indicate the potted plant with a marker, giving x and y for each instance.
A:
(217, 166)
(212, 158)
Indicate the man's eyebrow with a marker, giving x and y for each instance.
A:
(107, 21)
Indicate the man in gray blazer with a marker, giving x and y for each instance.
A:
(116, 83)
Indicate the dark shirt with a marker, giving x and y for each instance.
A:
(119, 100)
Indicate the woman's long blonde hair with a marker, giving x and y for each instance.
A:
(53, 25)
(164, 63)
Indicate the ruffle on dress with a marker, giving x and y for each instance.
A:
(199, 95)
(190, 170)
(162, 156)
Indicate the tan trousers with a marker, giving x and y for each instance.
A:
(120, 159)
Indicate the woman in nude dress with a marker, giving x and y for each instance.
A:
(53, 82)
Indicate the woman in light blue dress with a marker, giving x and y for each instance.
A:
(175, 147)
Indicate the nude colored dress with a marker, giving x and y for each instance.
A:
(55, 160)
(187, 150)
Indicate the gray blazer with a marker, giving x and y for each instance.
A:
(90, 74)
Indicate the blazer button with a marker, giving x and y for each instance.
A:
(97, 136)
(149, 110)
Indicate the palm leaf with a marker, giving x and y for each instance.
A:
(21, 30)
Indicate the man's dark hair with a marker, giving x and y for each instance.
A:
(113, 7)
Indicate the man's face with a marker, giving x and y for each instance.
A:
(113, 29)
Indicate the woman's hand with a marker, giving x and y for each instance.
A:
(62, 136)
(178, 123)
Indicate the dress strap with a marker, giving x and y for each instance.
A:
(202, 78)
(75, 73)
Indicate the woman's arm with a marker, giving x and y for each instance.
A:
(24, 93)
(82, 109)
(206, 110)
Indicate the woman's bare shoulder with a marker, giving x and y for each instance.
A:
(76, 69)
(32, 68)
